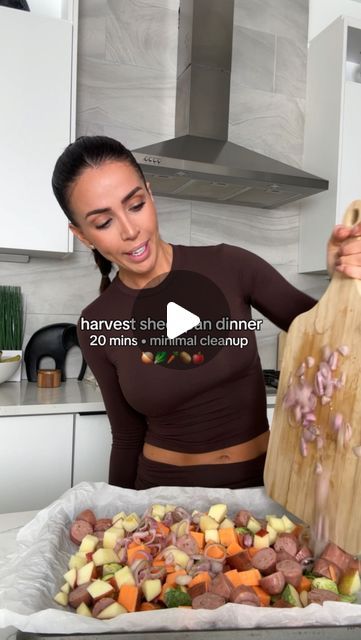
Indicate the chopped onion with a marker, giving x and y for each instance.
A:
(333, 360)
(183, 580)
(344, 350)
(247, 540)
(216, 566)
(337, 421)
(357, 451)
(308, 436)
(310, 361)
(325, 371)
(181, 514)
(301, 369)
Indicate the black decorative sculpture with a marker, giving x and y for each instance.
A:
(54, 341)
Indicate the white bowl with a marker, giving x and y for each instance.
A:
(7, 369)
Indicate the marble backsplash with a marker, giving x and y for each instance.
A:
(126, 89)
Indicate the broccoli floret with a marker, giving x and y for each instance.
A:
(177, 598)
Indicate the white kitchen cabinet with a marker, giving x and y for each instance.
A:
(37, 121)
(92, 445)
(332, 135)
(35, 460)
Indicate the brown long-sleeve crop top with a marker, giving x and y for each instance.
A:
(202, 409)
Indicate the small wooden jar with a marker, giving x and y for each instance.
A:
(48, 378)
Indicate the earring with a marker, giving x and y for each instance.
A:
(91, 246)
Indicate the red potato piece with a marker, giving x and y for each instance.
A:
(241, 518)
(88, 515)
(274, 583)
(187, 544)
(327, 569)
(222, 586)
(265, 561)
(335, 554)
(100, 605)
(244, 595)
(319, 596)
(208, 601)
(79, 529)
(79, 595)
(103, 524)
(241, 561)
(291, 570)
(286, 542)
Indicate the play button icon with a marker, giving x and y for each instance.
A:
(179, 320)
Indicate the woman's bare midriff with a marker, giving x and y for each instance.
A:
(238, 453)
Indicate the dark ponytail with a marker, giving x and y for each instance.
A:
(105, 266)
(88, 152)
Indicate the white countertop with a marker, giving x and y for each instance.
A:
(26, 398)
(73, 396)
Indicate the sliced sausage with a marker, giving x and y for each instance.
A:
(283, 555)
(291, 570)
(245, 595)
(99, 535)
(242, 517)
(187, 544)
(327, 569)
(221, 585)
(100, 605)
(335, 554)
(79, 529)
(319, 596)
(79, 595)
(265, 561)
(88, 515)
(274, 583)
(286, 542)
(198, 589)
(241, 561)
(208, 601)
(103, 524)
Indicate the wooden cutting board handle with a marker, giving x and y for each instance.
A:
(290, 474)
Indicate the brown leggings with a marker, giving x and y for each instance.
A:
(234, 475)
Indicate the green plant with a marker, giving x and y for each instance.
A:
(11, 318)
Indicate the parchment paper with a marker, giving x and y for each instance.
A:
(30, 578)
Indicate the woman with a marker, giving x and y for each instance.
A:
(206, 426)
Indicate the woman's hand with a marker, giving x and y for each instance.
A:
(344, 251)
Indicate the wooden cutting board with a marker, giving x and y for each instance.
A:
(330, 498)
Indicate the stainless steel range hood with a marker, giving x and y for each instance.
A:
(200, 164)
